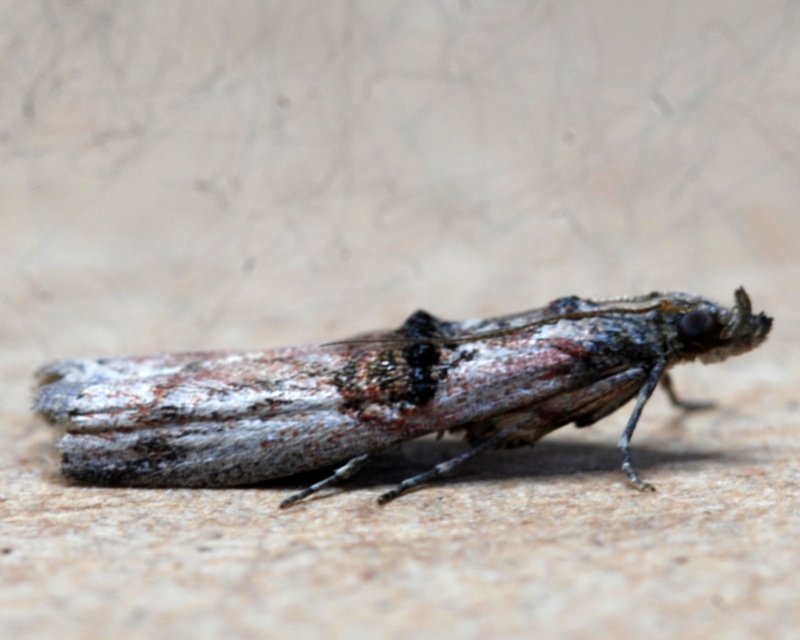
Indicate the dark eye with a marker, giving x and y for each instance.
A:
(699, 329)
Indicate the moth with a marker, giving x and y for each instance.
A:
(222, 419)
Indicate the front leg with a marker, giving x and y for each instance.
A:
(624, 442)
(686, 405)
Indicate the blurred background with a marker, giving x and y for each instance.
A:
(210, 174)
(194, 174)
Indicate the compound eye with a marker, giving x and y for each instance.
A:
(699, 329)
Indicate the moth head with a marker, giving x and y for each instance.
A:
(714, 333)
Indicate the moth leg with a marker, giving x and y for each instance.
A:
(686, 405)
(342, 473)
(443, 467)
(624, 442)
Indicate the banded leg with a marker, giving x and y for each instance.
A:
(342, 473)
(624, 442)
(447, 465)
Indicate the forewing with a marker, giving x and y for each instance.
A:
(204, 419)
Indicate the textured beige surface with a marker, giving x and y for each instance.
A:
(191, 175)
